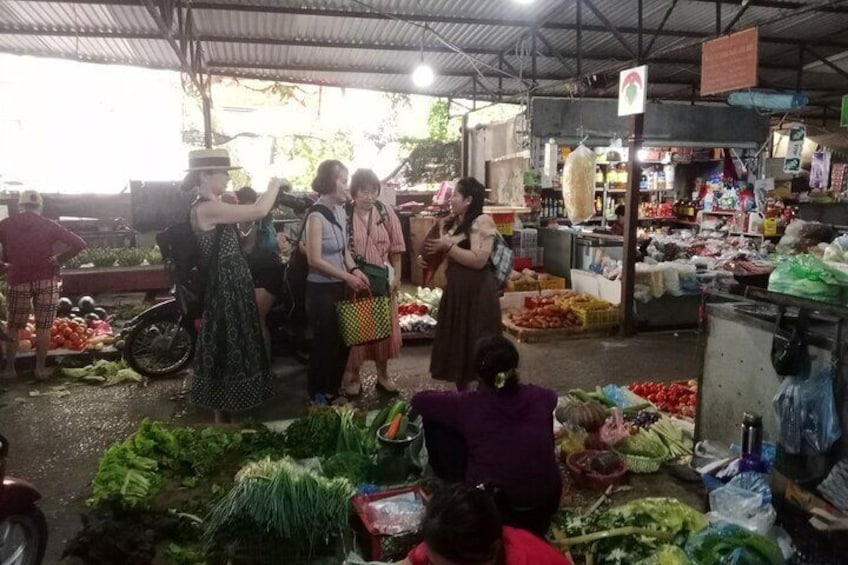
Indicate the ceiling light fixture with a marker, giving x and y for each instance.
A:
(423, 75)
(523, 1)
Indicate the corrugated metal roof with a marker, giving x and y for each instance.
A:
(375, 43)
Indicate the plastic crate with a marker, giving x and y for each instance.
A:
(551, 282)
(525, 238)
(505, 223)
(370, 539)
(521, 286)
(597, 318)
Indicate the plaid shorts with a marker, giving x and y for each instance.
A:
(37, 297)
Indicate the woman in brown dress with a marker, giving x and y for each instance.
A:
(470, 308)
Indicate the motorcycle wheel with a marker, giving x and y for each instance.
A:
(23, 538)
(158, 348)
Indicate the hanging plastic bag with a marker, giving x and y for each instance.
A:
(806, 414)
(809, 277)
(578, 185)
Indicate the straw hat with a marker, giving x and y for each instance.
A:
(209, 160)
(30, 197)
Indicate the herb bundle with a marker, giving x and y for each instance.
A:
(283, 500)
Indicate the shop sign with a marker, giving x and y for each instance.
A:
(632, 91)
(843, 121)
(730, 62)
(792, 162)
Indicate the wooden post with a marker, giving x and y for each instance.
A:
(631, 222)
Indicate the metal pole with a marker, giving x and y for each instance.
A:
(800, 76)
(718, 17)
(580, 40)
(639, 45)
(463, 166)
(207, 119)
(631, 222)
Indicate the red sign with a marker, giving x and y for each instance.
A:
(730, 62)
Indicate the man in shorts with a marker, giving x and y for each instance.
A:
(31, 262)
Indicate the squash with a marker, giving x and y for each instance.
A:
(588, 415)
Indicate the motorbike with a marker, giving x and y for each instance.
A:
(23, 528)
(161, 341)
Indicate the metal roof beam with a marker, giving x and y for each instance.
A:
(562, 56)
(433, 18)
(559, 57)
(736, 17)
(839, 70)
(611, 27)
(157, 13)
(776, 5)
(658, 31)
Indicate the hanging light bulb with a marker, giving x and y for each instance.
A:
(423, 75)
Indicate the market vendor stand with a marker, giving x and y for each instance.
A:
(738, 376)
(150, 279)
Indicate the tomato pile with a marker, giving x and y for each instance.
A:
(675, 398)
(415, 308)
(77, 335)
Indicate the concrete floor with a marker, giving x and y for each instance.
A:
(57, 440)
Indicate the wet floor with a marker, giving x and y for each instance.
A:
(57, 437)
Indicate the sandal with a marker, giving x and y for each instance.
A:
(353, 389)
(388, 388)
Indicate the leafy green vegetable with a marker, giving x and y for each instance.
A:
(355, 467)
(667, 555)
(629, 533)
(185, 555)
(316, 435)
(728, 544)
(129, 479)
(103, 372)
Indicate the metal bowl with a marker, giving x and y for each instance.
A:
(413, 432)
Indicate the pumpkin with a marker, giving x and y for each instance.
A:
(588, 415)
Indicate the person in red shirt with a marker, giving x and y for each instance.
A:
(31, 263)
(462, 527)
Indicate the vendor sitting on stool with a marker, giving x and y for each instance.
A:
(462, 526)
(617, 226)
(500, 435)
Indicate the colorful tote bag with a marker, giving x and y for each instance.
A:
(365, 319)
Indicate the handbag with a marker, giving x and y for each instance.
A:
(789, 355)
(365, 319)
(378, 275)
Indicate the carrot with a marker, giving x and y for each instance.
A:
(394, 427)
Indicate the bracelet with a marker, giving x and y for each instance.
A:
(354, 269)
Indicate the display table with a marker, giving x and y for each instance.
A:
(115, 280)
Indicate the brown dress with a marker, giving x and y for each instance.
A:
(469, 310)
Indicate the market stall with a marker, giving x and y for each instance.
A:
(343, 486)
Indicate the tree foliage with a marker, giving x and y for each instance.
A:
(437, 120)
(431, 161)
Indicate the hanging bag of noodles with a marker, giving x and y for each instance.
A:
(578, 185)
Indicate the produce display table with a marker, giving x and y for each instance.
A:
(151, 279)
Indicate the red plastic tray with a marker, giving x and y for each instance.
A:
(369, 537)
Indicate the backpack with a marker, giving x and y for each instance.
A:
(297, 270)
(182, 259)
(501, 260)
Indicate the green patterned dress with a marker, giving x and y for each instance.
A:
(231, 370)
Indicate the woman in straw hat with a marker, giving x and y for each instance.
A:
(231, 371)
